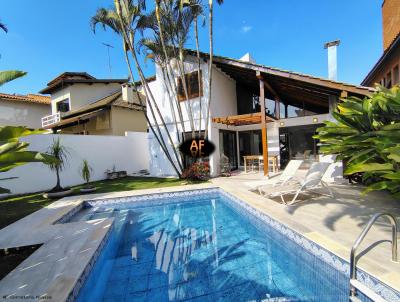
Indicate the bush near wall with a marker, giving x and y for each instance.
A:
(366, 137)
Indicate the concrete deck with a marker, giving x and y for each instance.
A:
(333, 223)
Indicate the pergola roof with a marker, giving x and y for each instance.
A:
(243, 119)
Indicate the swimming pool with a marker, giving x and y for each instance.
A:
(205, 245)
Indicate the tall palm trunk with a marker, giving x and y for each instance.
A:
(210, 3)
(130, 42)
(196, 33)
(58, 184)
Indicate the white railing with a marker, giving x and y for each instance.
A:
(50, 119)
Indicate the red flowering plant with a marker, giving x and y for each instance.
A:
(197, 171)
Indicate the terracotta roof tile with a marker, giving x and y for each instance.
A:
(30, 98)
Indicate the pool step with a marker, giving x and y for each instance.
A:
(366, 291)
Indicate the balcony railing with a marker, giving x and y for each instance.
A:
(50, 119)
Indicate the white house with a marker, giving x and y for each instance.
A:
(23, 110)
(295, 105)
(83, 104)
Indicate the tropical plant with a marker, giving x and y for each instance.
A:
(366, 137)
(13, 153)
(10, 75)
(58, 151)
(86, 171)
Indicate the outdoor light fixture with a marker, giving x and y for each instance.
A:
(281, 124)
(315, 120)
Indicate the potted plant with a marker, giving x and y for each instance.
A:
(58, 151)
(86, 173)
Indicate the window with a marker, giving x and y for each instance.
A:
(396, 75)
(388, 80)
(63, 106)
(192, 82)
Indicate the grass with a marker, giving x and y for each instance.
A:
(15, 208)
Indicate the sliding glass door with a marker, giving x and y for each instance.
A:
(227, 146)
(250, 143)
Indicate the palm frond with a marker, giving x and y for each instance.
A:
(9, 75)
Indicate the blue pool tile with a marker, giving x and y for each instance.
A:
(135, 297)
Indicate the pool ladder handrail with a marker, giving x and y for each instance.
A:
(393, 222)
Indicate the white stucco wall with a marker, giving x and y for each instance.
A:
(129, 153)
(14, 113)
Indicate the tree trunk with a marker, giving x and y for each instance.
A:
(196, 33)
(210, 67)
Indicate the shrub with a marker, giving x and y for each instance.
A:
(197, 171)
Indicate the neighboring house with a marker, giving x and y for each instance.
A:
(82, 104)
(255, 110)
(23, 110)
(387, 70)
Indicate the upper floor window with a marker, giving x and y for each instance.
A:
(396, 75)
(63, 106)
(192, 82)
(388, 80)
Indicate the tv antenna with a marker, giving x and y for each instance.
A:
(109, 59)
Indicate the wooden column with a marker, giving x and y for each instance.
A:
(263, 125)
(277, 108)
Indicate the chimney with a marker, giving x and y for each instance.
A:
(332, 59)
(127, 93)
(248, 58)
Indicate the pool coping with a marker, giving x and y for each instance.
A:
(67, 208)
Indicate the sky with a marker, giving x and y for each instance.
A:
(49, 37)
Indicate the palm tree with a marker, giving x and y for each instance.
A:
(9, 75)
(58, 151)
(123, 21)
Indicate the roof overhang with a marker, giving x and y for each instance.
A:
(73, 121)
(67, 82)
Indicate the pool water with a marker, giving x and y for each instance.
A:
(204, 250)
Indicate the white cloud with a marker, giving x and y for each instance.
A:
(246, 28)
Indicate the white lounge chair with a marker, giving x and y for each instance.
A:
(312, 180)
(287, 174)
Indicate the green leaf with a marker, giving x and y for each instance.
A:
(392, 175)
(365, 167)
(9, 75)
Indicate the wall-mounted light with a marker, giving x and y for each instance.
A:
(281, 124)
(315, 120)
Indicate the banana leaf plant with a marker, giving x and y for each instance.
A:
(14, 153)
(366, 136)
